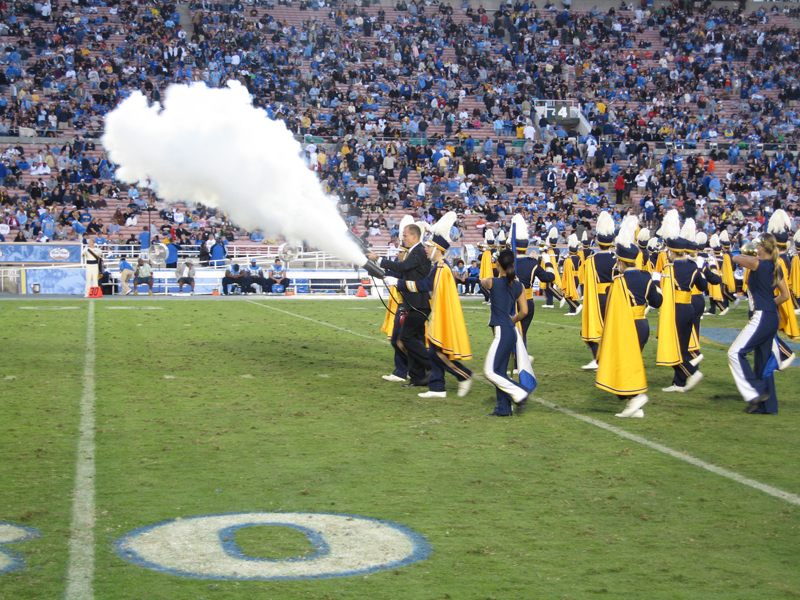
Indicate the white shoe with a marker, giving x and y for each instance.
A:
(674, 388)
(486, 302)
(430, 394)
(548, 306)
(464, 387)
(785, 364)
(736, 302)
(634, 404)
(697, 360)
(570, 314)
(592, 366)
(579, 310)
(647, 309)
(515, 372)
(724, 312)
(530, 358)
(562, 302)
(797, 311)
(693, 380)
(393, 378)
(639, 414)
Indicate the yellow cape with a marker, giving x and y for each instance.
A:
(788, 320)
(570, 288)
(486, 265)
(794, 282)
(391, 309)
(591, 318)
(554, 262)
(727, 273)
(446, 328)
(668, 353)
(715, 290)
(640, 261)
(661, 261)
(620, 369)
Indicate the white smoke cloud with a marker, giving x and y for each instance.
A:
(212, 146)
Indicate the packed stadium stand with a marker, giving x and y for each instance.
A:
(417, 108)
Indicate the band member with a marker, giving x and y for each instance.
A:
(780, 226)
(714, 290)
(621, 369)
(509, 307)
(643, 259)
(598, 272)
(795, 273)
(529, 268)
(571, 281)
(728, 280)
(553, 289)
(448, 342)
(652, 248)
(766, 291)
(678, 278)
(487, 270)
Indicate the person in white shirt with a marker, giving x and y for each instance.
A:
(185, 275)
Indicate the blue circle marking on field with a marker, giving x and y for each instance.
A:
(12, 534)
(345, 545)
(231, 548)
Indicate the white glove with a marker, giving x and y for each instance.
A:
(390, 281)
(700, 262)
(656, 276)
(546, 258)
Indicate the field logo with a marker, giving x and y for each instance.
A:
(10, 534)
(59, 254)
(202, 547)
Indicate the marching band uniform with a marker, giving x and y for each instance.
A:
(553, 289)
(643, 259)
(713, 275)
(620, 370)
(486, 263)
(794, 274)
(675, 318)
(571, 280)
(652, 249)
(448, 342)
(528, 268)
(780, 226)
(598, 273)
(728, 280)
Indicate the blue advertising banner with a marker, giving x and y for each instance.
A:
(69, 253)
(54, 281)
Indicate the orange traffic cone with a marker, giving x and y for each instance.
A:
(361, 292)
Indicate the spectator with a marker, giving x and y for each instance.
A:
(185, 275)
(143, 276)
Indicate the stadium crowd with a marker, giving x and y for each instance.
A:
(420, 107)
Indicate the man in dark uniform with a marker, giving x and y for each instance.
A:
(416, 306)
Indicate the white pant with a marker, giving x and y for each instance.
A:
(92, 275)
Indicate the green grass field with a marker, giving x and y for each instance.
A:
(209, 407)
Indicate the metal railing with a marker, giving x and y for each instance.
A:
(9, 280)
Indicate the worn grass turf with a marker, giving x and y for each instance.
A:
(266, 411)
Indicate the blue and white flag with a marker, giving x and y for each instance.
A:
(527, 379)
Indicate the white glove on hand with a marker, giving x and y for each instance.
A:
(546, 258)
(390, 281)
(700, 262)
(656, 276)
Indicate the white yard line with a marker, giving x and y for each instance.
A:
(732, 475)
(80, 574)
(286, 312)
